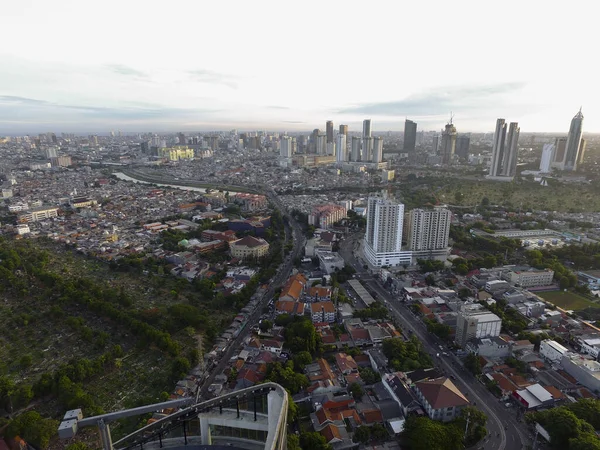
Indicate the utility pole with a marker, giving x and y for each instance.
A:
(467, 425)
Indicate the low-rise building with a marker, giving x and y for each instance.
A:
(37, 214)
(440, 398)
(585, 370)
(494, 347)
(532, 277)
(494, 286)
(552, 350)
(249, 247)
(322, 312)
(534, 397)
(330, 262)
(590, 345)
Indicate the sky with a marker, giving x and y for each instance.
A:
(185, 65)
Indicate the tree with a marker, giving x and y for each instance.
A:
(585, 441)
(362, 434)
(314, 441)
(356, 390)
(77, 446)
(302, 359)
(472, 364)
(379, 433)
(293, 442)
(477, 420)
(369, 376)
(562, 425)
(587, 409)
(180, 367)
(422, 433)
(33, 428)
(265, 325)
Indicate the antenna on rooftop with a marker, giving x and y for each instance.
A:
(451, 117)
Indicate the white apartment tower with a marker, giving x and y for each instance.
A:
(547, 157)
(355, 148)
(498, 148)
(367, 148)
(377, 149)
(286, 147)
(428, 229)
(383, 238)
(509, 165)
(341, 148)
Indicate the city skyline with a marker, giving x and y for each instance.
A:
(169, 78)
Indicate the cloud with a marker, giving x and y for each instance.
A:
(439, 101)
(276, 107)
(210, 77)
(293, 121)
(16, 110)
(126, 70)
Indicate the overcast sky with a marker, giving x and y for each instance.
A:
(76, 65)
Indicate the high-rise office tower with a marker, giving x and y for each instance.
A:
(367, 149)
(145, 147)
(344, 129)
(329, 131)
(286, 147)
(448, 143)
(410, 135)
(435, 144)
(560, 147)
(573, 146)
(509, 165)
(366, 128)
(355, 148)
(181, 139)
(428, 229)
(498, 148)
(341, 149)
(463, 144)
(377, 149)
(547, 157)
(383, 238)
(581, 151)
(312, 142)
(321, 144)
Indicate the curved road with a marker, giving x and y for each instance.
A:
(504, 431)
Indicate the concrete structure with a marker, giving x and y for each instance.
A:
(329, 131)
(496, 285)
(377, 149)
(591, 278)
(341, 149)
(552, 350)
(324, 216)
(560, 147)
(366, 128)
(573, 144)
(448, 146)
(383, 238)
(367, 149)
(498, 148)
(547, 157)
(531, 277)
(440, 398)
(355, 149)
(37, 214)
(344, 130)
(428, 229)
(410, 135)
(329, 262)
(509, 163)
(476, 323)
(494, 348)
(249, 247)
(586, 371)
(463, 144)
(176, 153)
(286, 147)
(590, 345)
(322, 312)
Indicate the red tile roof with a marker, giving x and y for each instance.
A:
(372, 416)
(556, 394)
(331, 433)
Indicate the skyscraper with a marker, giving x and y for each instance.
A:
(366, 128)
(312, 141)
(410, 135)
(341, 149)
(181, 138)
(383, 238)
(509, 164)
(560, 145)
(547, 157)
(329, 131)
(581, 151)
(498, 148)
(344, 129)
(321, 144)
(428, 229)
(463, 144)
(367, 148)
(573, 146)
(355, 148)
(448, 143)
(435, 144)
(377, 149)
(286, 147)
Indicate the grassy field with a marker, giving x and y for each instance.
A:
(567, 300)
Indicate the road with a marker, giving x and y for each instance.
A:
(503, 429)
(282, 275)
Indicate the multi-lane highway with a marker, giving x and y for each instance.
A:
(504, 432)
